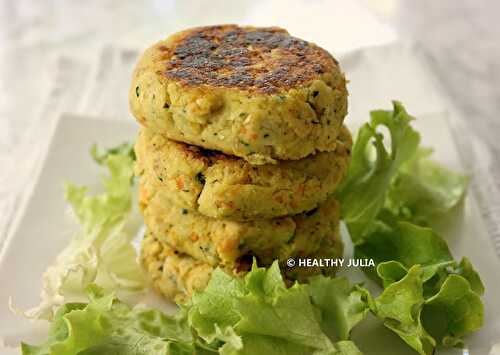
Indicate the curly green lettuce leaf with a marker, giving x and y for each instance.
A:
(423, 189)
(407, 244)
(107, 326)
(101, 252)
(467, 271)
(258, 314)
(390, 272)
(455, 311)
(401, 180)
(451, 311)
(399, 307)
(341, 304)
(397, 246)
(396, 249)
(464, 269)
(388, 197)
(100, 155)
(373, 167)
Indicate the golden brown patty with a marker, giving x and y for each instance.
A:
(257, 93)
(176, 276)
(172, 274)
(232, 244)
(221, 186)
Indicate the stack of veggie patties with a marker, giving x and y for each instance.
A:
(241, 148)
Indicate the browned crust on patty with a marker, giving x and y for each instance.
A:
(208, 156)
(259, 59)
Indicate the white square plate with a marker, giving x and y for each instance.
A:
(44, 230)
(377, 75)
